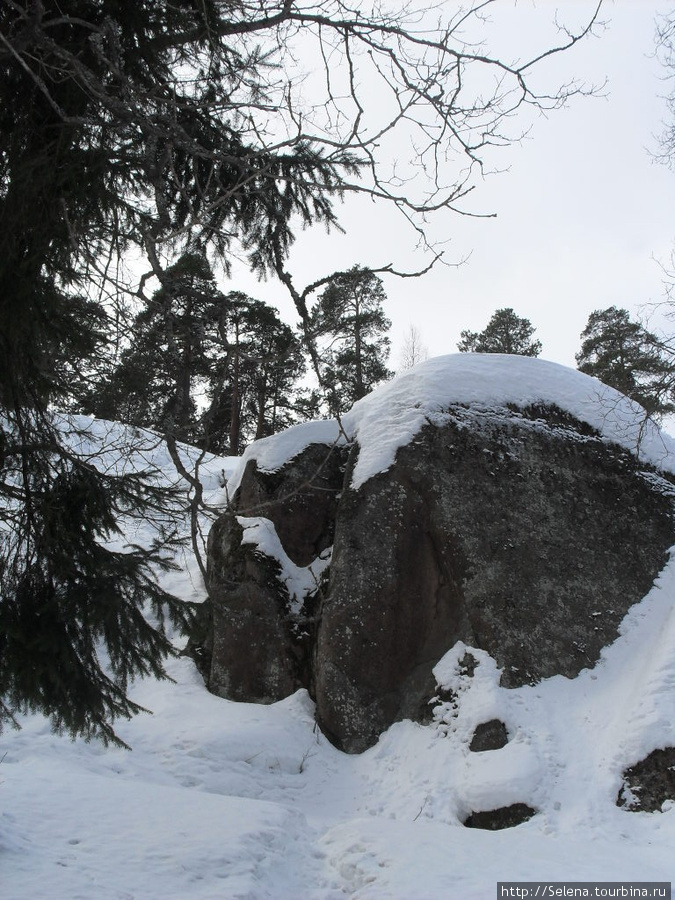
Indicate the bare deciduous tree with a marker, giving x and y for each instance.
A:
(665, 47)
(414, 350)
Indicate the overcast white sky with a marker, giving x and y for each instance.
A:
(583, 211)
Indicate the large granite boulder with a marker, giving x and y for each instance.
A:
(519, 520)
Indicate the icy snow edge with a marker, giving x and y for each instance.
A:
(391, 416)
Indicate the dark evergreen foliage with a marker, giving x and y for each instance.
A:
(351, 325)
(505, 333)
(628, 357)
(212, 369)
(256, 361)
(154, 384)
(69, 599)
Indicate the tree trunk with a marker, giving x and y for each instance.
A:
(235, 421)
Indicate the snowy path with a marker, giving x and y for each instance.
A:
(244, 802)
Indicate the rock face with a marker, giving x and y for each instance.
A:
(248, 606)
(649, 783)
(257, 649)
(517, 531)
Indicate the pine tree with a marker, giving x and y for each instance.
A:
(505, 333)
(212, 369)
(624, 355)
(352, 327)
(159, 375)
(255, 363)
(276, 366)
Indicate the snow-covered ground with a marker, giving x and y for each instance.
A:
(246, 802)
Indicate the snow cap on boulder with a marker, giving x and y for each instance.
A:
(391, 416)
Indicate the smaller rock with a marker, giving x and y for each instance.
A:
(254, 657)
(490, 735)
(467, 665)
(649, 783)
(504, 817)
